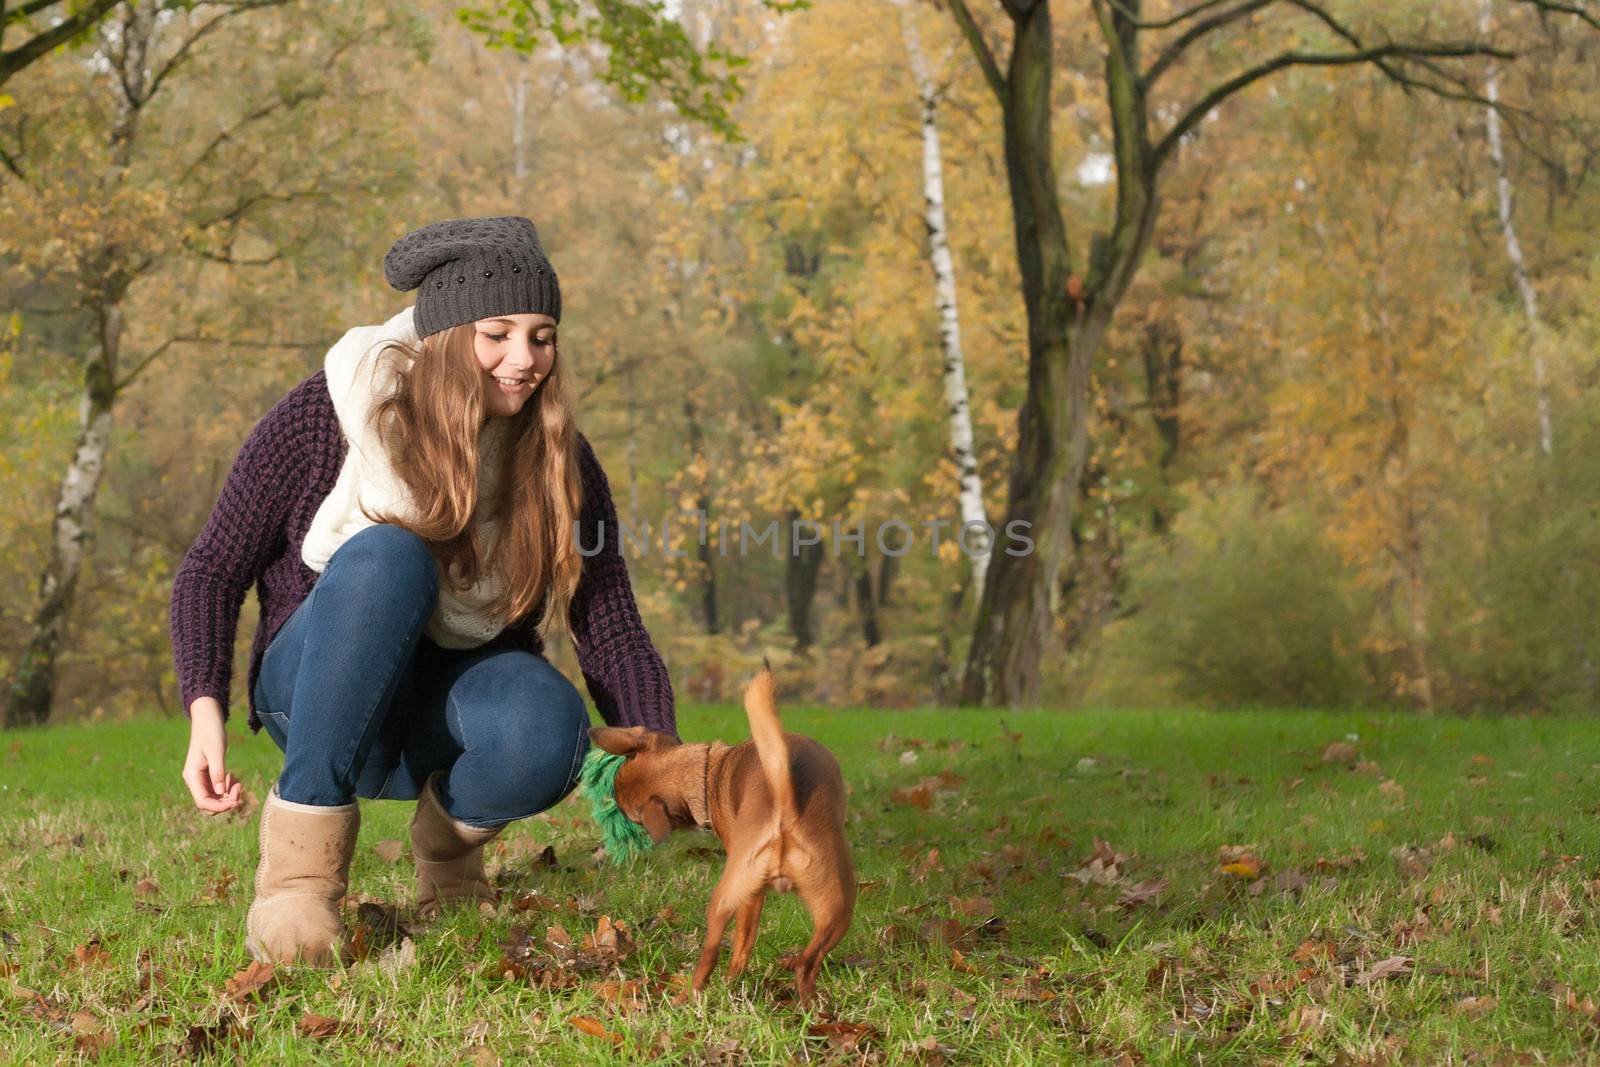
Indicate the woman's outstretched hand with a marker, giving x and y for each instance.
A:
(205, 771)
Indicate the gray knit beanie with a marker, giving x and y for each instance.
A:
(470, 269)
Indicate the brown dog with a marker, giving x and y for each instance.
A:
(776, 801)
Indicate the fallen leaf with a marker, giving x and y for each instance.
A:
(1305, 1019)
(1313, 949)
(250, 981)
(594, 1028)
(397, 959)
(844, 1035)
(1387, 968)
(90, 954)
(317, 1026)
(974, 907)
(1246, 867)
(1143, 893)
(917, 796)
(389, 851)
(1339, 752)
(1474, 1007)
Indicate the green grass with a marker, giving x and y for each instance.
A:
(1478, 865)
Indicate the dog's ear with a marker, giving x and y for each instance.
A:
(655, 819)
(620, 740)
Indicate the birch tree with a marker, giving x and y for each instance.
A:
(111, 208)
(1508, 230)
(957, 402)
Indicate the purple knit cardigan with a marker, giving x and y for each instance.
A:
(285, 468)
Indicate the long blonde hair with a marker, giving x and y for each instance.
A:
(430, 426)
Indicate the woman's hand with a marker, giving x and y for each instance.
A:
(205, 771)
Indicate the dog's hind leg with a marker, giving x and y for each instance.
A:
(744, 933)
(829, 932)
(831, 901)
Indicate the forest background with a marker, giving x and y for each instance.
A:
(1342, 438)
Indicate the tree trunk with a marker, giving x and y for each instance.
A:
(703, 552)
(867, 605)
(1014, 615)
(802, 565)
(33, 690)
(1163, 364)
(970, 497)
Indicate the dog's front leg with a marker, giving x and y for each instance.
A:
(725, 900)
(744, 933)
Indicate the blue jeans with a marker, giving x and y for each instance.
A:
(363, 703)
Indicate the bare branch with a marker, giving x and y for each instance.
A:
(139, 367)
(1209, 102)
(1175, 49)
(1162, 24)
(980, 47)
(1580, 10)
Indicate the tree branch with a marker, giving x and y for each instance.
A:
(15, 59)
(1175, 48)
(1162, 24)
(980, 48)
(1581, 10)
(1209, 102)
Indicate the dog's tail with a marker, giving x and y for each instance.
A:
(761, 707)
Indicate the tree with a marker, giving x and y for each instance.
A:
(106, 204)
(1072, 299)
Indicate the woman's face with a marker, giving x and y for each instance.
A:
(515, 353)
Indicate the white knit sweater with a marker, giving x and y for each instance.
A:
(359, 375)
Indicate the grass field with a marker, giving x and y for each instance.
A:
(1087, 887)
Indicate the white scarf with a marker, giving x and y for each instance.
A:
(359, 375)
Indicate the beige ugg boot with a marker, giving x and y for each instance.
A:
(449, 857)
(304, 871)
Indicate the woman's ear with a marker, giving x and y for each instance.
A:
(620, 740)
(655, 819)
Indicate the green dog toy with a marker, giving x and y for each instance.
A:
(624, 839)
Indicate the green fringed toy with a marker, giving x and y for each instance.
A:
(624, 839)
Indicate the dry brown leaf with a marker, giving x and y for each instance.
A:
(1313, 949)
(389, 851)
(317, 1026)
(1474, 1007)
(1142, 893)
(595, 1028)
(917, 796)
(535, 902)
(250, 981)
(1305, 1019)
(1387, 968)
(844, 1035)
(975, 907)
(1340, 752)
(90, 954)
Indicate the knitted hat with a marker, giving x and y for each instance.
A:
(470, 269)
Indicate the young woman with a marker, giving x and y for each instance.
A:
(414, 517)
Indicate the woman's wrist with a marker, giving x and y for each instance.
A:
(205, 711)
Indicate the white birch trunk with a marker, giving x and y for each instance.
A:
(944, 281)
(1519, 267)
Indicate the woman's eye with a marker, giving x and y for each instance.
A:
(496, 337)
(543, 342)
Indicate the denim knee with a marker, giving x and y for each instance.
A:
(527, 758)
(394, 552)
